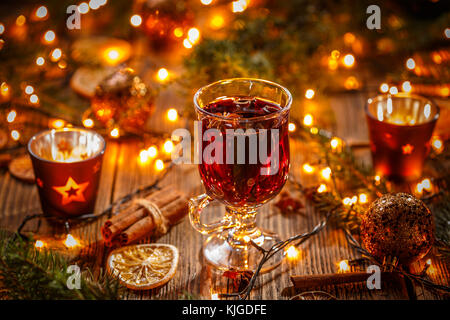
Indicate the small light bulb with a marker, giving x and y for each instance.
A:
(343, 266)
(406, 86)
(308, 120)
(168, 146)
(292, 127)
(83, 8)
(88, 123)
(152, 152)
(384, 87)
(11, 116)
(29, 89)
(178, 32)
(41, 12)
(40, 61)
(15, 135)
(172, 114)
(322, 188)
(39, 244)
(136, 20)
(307, 168)
(56, 54)
(143, 156)
(58, 123)
(71, 242)
(159, 165)
(34, 99)
(326, 173)
(410, 64)
(114, 133)
(187, 44)
(349, 60)
(193, 35)
(362, 198)
(309, 94)
(334, 143)
(292, 252)
(49, 36)
(162, 74)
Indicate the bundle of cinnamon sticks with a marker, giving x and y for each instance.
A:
(136, 221)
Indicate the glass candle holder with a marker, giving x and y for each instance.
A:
(67, 165)
(400, 128)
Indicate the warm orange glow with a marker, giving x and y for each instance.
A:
(20, 21)
(377, 178)
(351, 83)
(172, 114)
(326, 173)
(292, 127)
(349, 60)
(309, 94)
(292, 253)
(343, 266)
(322, 188)
(407, 149)
(88, 123)
(349, 38)
(314, 130)
(162, 74)
(11, 116)
(49, 36)
(115, 55)
(178, 32)
(71, 241)
(4, 89)
(308, 120)
(347, 201)
(206, 2)
(217, 22)
(58, 123)
(136, 20)
(62, 64)
(307, 168)
(159, 165)
(15, 135)
(335, 142)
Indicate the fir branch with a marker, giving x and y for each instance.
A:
(32, 274)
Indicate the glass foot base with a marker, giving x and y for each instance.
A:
(224, 252)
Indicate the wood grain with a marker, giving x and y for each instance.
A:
(122, 174)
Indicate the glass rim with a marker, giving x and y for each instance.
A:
(244, 120)
(386, 96)
(45, 132)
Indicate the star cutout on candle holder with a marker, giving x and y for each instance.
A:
(407, 149)
(72, 191)
(40, 183)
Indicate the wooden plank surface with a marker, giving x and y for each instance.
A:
(122, 174)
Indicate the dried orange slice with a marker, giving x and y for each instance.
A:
(22, 168)
(144, 266)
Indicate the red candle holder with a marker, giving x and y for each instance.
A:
(67, 165)
(400, 128)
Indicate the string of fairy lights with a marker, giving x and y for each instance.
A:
(155, 154)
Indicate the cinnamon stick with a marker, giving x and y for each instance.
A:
(320, 280)
(173, 212)
(135, 212)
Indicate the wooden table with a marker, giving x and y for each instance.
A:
(122, 174)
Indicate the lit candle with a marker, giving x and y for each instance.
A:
(400, 128)
(67, 164)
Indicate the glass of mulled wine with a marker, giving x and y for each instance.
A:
(243, 157)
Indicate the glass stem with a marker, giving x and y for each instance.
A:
(245, 226)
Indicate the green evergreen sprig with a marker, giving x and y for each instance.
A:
(40, 274)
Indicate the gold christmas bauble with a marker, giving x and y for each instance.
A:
(397, 225)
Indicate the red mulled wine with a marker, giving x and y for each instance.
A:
(247, 175)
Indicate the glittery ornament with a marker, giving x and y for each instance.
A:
(397, 225)
(123, 100)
